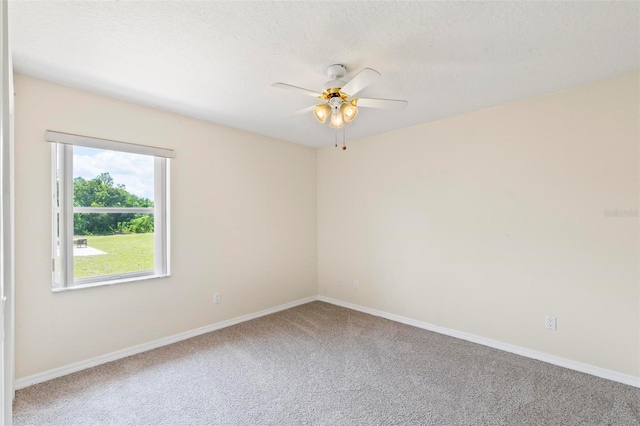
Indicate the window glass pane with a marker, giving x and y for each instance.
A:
(103, 178)
(108, 244)
(130, 249)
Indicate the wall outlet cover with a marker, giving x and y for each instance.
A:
(550, 322)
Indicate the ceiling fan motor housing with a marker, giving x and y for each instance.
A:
(335, 72)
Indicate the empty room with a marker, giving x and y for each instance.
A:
(320, 213)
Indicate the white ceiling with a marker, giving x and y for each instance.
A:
(216, 60)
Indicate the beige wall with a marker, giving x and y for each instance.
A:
(243, 224)
(482, 223)
(487, 222)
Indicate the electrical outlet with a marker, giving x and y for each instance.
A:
(216, 298)
(550, 322)
(356, 284)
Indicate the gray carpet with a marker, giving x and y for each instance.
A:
(320, 364)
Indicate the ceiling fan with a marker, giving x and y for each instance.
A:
(338, 101)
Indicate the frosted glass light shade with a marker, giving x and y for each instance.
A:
(321, 112)
(349, 112)
(336, 120)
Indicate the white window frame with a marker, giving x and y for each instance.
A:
(62, 160)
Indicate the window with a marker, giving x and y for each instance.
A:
(110, 211)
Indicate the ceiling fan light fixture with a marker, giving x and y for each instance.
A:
(339, 103)
(349, 112)
(321, 112)
(337, 120)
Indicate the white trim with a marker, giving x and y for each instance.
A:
(166, 211)
(150, 210)
(507, 347)
(518, 350)
(7, 228)
(113, 356)
(55, 210)
(160, 218)
(66, 215)
(113, 280)
(91, 142)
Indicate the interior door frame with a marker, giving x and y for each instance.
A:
(7, 391)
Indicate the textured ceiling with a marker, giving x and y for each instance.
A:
(216, 60)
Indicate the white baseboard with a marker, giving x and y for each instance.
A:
(123, 353)
(518, 350)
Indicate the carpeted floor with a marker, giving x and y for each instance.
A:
(320, 364)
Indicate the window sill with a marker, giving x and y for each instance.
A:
(110, 282)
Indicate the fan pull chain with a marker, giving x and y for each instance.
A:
(344, 138)
(336, 138)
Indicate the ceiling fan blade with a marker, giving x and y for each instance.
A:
(382, 103)
(300, 112)
(360, 81)
(297, 89)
